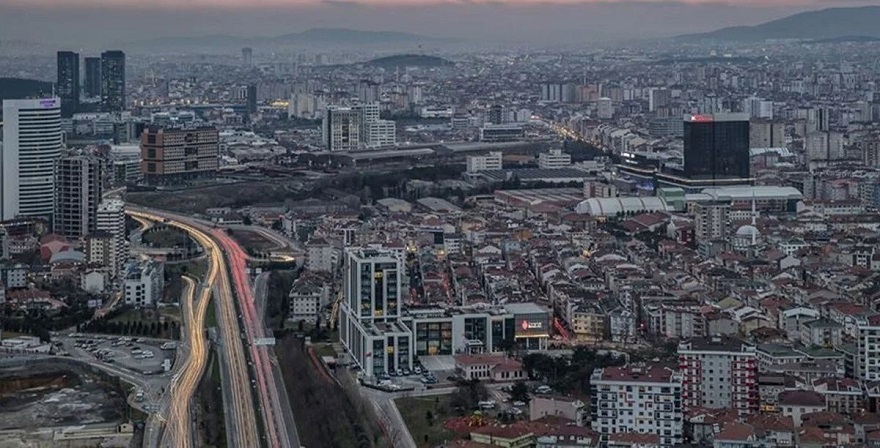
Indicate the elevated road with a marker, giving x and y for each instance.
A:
(241, 419)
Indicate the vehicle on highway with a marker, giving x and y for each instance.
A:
(519, 403)
(487, 404)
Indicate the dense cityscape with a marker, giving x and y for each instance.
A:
(376, 239)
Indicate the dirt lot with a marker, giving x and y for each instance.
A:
(236, 195)
(44, 395)
(253, 240)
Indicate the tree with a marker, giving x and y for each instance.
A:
(429, 416)
(519, 392)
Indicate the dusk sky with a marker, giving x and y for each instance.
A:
(108, 22)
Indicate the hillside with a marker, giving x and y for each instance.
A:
(410, 60)
(832, 23)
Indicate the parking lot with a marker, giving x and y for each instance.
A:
(141, 355)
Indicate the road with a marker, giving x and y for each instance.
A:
(185, 382)
(273, 414)
(241, 419)
(261, 294)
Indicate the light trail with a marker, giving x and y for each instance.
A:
(243, 432)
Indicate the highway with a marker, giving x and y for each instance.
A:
(241, 420)
(273, 413)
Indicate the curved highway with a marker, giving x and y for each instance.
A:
(240, 409)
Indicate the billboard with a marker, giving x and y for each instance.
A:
(532, 325)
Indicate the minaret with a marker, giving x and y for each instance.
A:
(754, 217)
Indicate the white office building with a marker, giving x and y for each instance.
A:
(637, 399)
(32, 142)
(554, 159)
(869, 350)
(488, 162)
(381, 133)
(370, 327)
(143, 283)
(111, 220)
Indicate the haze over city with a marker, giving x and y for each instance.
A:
(86, 23)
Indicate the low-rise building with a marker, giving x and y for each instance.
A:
(143, 283)
(559, 406)
(495, 368)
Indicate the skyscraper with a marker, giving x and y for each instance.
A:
(716, 146)
(495, 115)
(79, 182)
(31, 145)
(370, 325)
(247, 57)
(252, 99)
(92, 86)
(113, 81)
(67, 83)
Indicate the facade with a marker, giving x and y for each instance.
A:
(100, 249)
(247, 57)
(766, 134)
(495, 114)
(868, 343)
(308, 296)
(488, 162)
(637, 399)
(79, 186)
(558, 406)
(719, 373)
(605, 108)
(554, 159)
(711, 220)
(659, 98)
(492, 368)
(143, 283)
(67, 82)
(32, 142)
(171, 155)
(92, 85)
(113, 81)
(111, 221)
(380, 133)
(822, 146)
(501, 133)
(342, 128)
(370, 327)
(716, 146)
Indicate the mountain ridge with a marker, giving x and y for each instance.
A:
(823, 24)
(310, 36)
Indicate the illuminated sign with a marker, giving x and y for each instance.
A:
(526, 325)
(532, 325)
(702, 118)
(47, 103)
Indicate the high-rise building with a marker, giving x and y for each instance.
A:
(659, 98)
(637, 399)
(495, 114)
(605, 108)
(368, 91)
(824, 146)
(79, 186)
(32, 143)
(342, 128)
(67, 84)
(252, 99)
(758, 108)
(247, 57)
(380, 133)
(819, 119)
(711, 220)
(113, 81)
(370, 326)
(111, 221)
(92, 85)
(719, 372)
(766, 134)
(716, 146)
(171, 155)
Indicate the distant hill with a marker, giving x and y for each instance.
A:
(18, 88)
(335, 36)
(832, 23)
(410, 60)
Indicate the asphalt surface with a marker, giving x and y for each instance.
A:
(241, 418)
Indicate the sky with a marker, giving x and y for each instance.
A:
(106, 23)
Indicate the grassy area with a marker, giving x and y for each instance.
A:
(11, 334)
(209, 409)
(324, 350)
(141, 321)
(166, 238)
(424, 417)
(173, 272)
(211, 316)
(171, 312)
